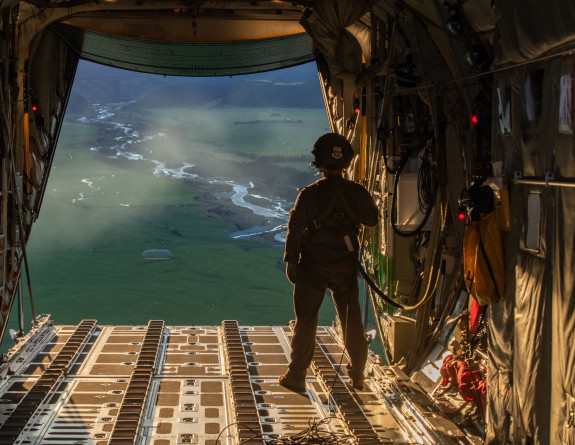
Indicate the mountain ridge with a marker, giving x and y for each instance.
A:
(242, 93)
(296, 87)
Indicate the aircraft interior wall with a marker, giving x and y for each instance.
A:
(530, 329)
(531, 29)
(43, 83)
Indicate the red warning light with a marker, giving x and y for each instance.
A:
(356, 104)
(34, 107)
(461, 216)
(474, 119)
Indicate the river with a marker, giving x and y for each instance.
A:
(274, 209)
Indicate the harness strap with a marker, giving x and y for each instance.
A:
(345, 205)
(338, 198)
(319, 221)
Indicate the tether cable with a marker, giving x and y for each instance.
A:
(377, 290)
(429, 291)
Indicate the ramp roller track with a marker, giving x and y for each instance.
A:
(130, 412)
(243, 400)
(56, 371)
(345, 403)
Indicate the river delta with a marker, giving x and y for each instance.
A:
(253, 200)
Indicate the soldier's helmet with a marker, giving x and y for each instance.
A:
(332, 151)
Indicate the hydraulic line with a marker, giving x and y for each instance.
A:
(429, 291)
(25, 125)
(363, 138)
(451, 302)
(431, 269)
(376, 289)
(384, 107)
(425, 195)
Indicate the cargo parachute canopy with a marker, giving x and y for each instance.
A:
(157, 254)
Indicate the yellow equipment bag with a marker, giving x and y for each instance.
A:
(483, 262)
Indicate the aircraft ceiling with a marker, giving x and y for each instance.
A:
(175, 38)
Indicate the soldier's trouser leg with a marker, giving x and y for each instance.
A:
(309, 290)
(345, 292)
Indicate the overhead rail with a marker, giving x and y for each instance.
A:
(549, 180)
(130, 412)
(38, 394)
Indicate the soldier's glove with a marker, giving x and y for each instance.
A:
(291, 269)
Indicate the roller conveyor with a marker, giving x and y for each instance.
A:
(15, 423)
(162, 385)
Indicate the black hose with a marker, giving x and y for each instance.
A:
(376, 289)
(385, 297)
(391, 171)
(426, 195)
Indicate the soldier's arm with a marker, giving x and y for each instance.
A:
(296, 226)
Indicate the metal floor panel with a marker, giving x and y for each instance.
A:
(205, 382)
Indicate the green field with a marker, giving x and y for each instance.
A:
(224, 130)
(98, 216)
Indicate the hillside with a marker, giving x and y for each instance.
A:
(292, 87)
(77, 105)
(241, 93)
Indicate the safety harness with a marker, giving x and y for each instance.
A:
(330, 220)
